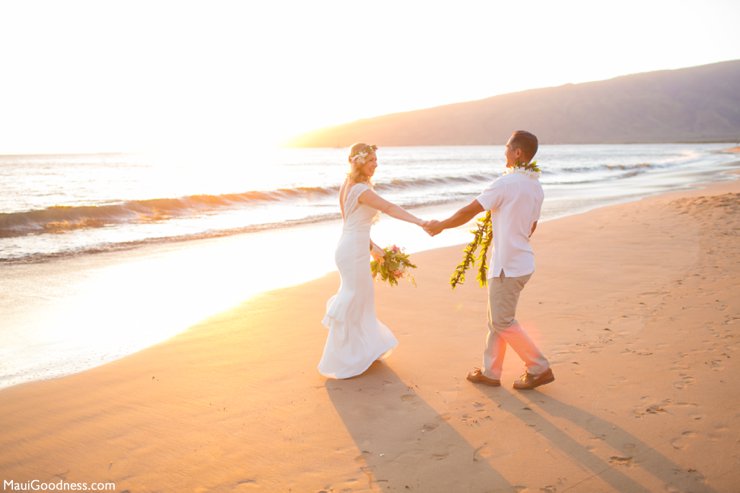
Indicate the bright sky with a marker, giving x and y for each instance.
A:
(138, 75)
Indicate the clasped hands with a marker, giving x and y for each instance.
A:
(432, 227)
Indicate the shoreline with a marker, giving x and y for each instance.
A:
(642, 400)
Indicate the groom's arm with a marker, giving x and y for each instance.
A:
(457, 219)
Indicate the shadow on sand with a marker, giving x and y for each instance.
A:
(532, 408)
(403, 443)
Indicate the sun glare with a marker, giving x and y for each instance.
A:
(246, 74)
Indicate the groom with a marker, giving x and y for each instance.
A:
(515, 200)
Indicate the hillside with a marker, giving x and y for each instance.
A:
(696, 104)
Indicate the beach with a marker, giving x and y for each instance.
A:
(635, 304)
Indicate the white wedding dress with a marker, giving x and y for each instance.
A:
(356, 337)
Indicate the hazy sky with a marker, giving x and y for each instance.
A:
(136, 75)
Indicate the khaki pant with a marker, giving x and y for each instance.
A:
(503, 296)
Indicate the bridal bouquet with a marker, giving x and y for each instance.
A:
(394, 265)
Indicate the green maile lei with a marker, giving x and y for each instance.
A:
(483, 236)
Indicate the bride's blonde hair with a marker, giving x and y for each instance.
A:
(358, 155)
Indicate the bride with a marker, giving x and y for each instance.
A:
(356, 337)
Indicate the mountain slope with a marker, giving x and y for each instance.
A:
(694, 104)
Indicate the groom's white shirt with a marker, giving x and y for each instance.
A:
(515, 202)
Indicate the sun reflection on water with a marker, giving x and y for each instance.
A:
(73, 314)
(100, 308)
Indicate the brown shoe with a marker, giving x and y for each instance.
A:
(529, 381)
(476, 376)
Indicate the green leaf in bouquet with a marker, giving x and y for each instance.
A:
(394, 260)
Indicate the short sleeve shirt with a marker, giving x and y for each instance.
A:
(515, 201)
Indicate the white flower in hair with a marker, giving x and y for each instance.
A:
(360, 157)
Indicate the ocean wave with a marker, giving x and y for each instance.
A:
(62, 219)
(586, 180)
(127, 245)
(610, 167)
(38, 257)
(432, 181)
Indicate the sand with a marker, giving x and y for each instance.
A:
(636, 305)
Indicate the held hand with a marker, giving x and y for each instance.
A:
(433, 227)
(377, 253)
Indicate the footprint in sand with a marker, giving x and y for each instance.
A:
(629, 448)
(469, 420)
(362, 457)
(621, 461)
(687, 404)
(245, 485)
(718, 433)
(682, 442)
(594, 441)
(637, 352)
(429, 427)
(685, 381)
(657, 408)
(715, 364)
(482, 452)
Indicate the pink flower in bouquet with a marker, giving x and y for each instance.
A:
(393, 266)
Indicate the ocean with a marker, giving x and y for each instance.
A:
(57, 206)
(102, 255)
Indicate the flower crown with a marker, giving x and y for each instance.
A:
(360, 157)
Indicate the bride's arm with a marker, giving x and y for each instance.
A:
(372, 199)
(376, 251)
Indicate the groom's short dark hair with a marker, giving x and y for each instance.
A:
(525, 141)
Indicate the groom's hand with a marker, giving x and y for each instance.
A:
(433, 227)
